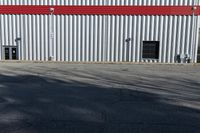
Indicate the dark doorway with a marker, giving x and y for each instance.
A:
(10, 53)
(7, 53)
(14, 53)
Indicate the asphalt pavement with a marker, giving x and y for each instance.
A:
(99, 98)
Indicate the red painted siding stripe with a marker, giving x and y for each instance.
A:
(101, 10)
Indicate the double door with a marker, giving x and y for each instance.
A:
(10, 53)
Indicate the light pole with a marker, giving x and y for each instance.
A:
(51, 47)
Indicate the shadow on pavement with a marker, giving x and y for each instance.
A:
(36, 104)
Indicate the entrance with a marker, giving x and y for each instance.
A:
(10, 53)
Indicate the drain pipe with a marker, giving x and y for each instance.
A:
(51, 47)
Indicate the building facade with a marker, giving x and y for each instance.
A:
(160, 31)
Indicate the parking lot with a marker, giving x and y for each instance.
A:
(99, 98)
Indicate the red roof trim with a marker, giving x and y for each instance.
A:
(100, 10)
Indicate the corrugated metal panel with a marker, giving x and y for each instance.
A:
(97, 38)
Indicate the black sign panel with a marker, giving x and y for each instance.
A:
(150, 49)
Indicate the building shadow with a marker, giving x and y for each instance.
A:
(38, 104)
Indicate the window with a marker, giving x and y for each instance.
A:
(150, 49)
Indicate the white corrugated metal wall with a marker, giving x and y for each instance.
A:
(93, 38)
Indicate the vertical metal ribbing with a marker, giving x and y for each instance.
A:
(24, 35)
(174, 33)
(53, 36)
(195, 46)
(34, 48)
(95, 41)
(62, 53)
(118, 33)
(64, 39)
(30, 32)
(198, 28)
(42, 37)
(10, 42)
(6, 30)
(60, 39)
(193, 33)
(139, 24)
(121, 38)
(98, 38)
(165, 38)
(17, 35)
(196, 34)
(82, 38)
(46, 37)
(70, 38)
(108, 38)
(105, 37)
(197, 38)
(125, 45)
(160, 37)
(113, 35)
(143, 35)
(66, 36)
(77, 38)
(169, 57)
(134, 40)
(13, 35)
(57, 38)
(37, 37)
(73, 41)
(20, 29)
(131, 39)
(81, 43)
(188, 35)
(179, 24)
(90, 45)
(182, 42)
(87, 38)
(116, 42)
